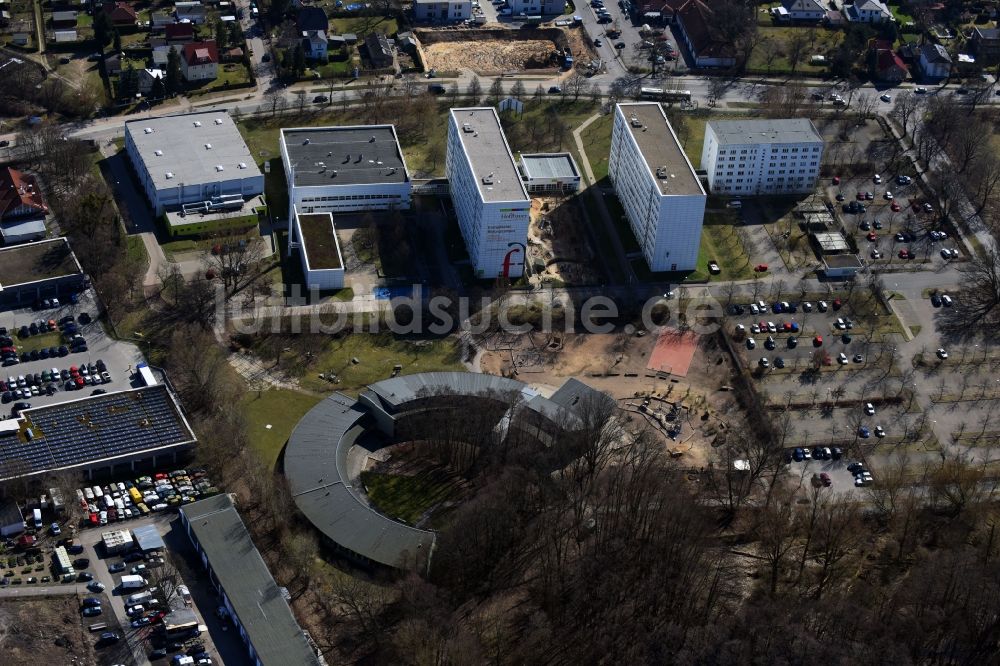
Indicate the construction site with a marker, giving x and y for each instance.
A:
(492, 52)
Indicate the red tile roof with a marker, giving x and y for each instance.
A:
(696, 18)
(200, 53)
(18, 189)
(887, 59)
(120, 12)
(180, 31)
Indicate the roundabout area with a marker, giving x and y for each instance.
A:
(337, 441)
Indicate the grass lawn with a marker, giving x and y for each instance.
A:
(279, 408)
(230, 75)
(406, 498)
(43, 341)
(362, 25)
(902, 18)
(597, 142)
(720, 243)
(332, 69)
(820, 42)
(377, 353)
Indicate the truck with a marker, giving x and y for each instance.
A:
(139, 598)
(133, 582)
(185, 594)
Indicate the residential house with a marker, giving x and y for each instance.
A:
(886, 65)
(161, 19)
(441, 11)
(22, 207)
(379, 51)
(696, 23)
(200, 61)
(986, 45)
(64, 36)
(121, 14)
(935, 63)
(192, 11)
(161, 50)
(64, 19)
(20, 38)
(148, 77)
(803, 10)
(867, 11)
(179, 33)
(113, 64)
(312, 18)
(314, 44)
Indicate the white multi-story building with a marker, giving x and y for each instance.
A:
(191, 158)
(537, 7)
(750, 157)
(441, 11)
(657, 186)
(491, 203)
(344, 169)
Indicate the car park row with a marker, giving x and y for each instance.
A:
(130, 499)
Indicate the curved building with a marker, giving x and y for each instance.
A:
(324, 456)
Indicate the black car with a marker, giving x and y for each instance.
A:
(6, 397)
(98, 392)
(132, 557)
(101, 366)
(43, 353)
(18, 406)
(63, 351)
(23, 332)
(736, 309)
(84, 318)
(90, 602)
(85, 577)
(74, 550)
(81, 563)
(25, 357)
(935, 300)
(108, 637)
(53, 352)
(158, 653)
(793, 342)
(33, 355)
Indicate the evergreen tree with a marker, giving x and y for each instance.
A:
(173, 78)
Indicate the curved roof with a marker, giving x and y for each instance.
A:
(318, 463)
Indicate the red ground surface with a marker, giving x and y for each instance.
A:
(673, 352)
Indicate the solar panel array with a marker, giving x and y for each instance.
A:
(101, 427)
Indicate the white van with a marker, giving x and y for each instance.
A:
(133, 582)
(98, 492)
(735, 204)
(109, 502)
(88, 493)
(36, 516)
(120, 504)
(138, 598)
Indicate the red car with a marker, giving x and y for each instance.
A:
(818, 341)
(825, 478)
(159, 475)
(93, 520)
(872, 236)
(79, 381)
(837, 303)
(905, 254)
(760, 268)
(836, 180)
(861, 196)
(73, 371)
(894, 207)
(786, 327)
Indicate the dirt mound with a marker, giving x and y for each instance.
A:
(489, 57)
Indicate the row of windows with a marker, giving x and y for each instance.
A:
(351, 197)
(774, 151)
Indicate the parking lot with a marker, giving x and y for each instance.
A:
(119, 358)
(891, 222)
(791, 337)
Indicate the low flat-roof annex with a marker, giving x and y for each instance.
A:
(549, 165)
(44, 260)
(350, 155)
(319, 238)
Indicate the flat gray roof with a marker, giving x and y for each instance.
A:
(660, 148)
(177, 145)
(549, 165)
(355, 155)
(791, 130)
(258, 602)
(148, 538)
(488, 154)
(832, 241)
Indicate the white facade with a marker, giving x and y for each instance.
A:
(537, 7)
(491, 203)
(746, 158)
(657, 187)
(935, 63)
(328, 171)
(175, 166)
(439, 11)
(868, 11)
(199, 64)
(804, 10)
(323, 279)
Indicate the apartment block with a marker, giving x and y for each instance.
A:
(751, 157)
(657, 186)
